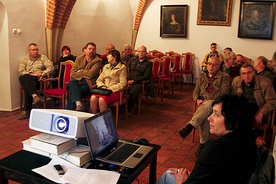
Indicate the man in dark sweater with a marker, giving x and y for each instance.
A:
(140, 69)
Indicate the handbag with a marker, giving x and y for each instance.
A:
(101, 91)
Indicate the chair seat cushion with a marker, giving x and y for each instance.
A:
(177, 75)
(166, 79)
(187, 71)
(55, 91)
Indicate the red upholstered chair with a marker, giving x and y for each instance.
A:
(188, 65)
(158, 85)
(159, 55)
(170, 53)
(153, 52)
(167, 76)
(39, 91)
(177, 62)
(123, 100)
(59, 92)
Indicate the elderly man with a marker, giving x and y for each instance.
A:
(32, 69)
(211, 84)
(240, 60)
(83, 75)
(140, 69)
(213, 52)
(228, 66)
(103, 57)
(260, 65)
(257, 89)
(127, 54)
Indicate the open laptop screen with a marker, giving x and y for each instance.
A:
(100, 132)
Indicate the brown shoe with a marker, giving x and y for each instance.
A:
(80, 108)
(36, 100)
(24, 115)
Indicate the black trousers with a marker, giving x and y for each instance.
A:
(30, 84)
(134, 93)
(76, 90)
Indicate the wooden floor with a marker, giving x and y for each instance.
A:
(159, 124)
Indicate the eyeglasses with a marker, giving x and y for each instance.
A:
(212, 64)
(246, 73)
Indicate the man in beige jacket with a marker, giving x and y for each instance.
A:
(84, 73)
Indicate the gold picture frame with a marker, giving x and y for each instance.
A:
(214, 12)
(173, 21)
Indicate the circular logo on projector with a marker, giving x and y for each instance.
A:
(62, 124)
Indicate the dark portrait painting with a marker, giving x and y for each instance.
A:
(256, 20)
(214, 12)
(173, 21)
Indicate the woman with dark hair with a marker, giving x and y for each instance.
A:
(231, 158)
(113, 77)
(65, 55)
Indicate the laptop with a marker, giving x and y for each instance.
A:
(105, 145)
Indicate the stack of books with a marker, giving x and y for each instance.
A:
(47, 144)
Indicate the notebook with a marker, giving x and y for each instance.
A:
(105, 145)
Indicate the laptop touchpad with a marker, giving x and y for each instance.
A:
(138, 155)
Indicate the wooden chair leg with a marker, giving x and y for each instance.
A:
(117, 114)
(44, 103)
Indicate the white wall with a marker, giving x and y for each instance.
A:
(29, 17)
(200, 36)
(102, 22)
(110, 21)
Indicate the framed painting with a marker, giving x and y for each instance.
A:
(256, 19)
(173, 21)
(214, 12)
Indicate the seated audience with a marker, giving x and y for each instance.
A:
(210, 85)
(228, 66)
(113, 77)
(213, 52)
(140, 69)
(32, 69)
(66, 55)
(257, 89)
(108, 47)
(260, 65)
(273, 64)
(240, 60)
(83, 75)
(232, 157)
(227, 49)
(127, 54)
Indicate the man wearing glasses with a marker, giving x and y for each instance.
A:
(210, 85)
(257, 89)
(213, 52)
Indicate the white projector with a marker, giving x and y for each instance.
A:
(60, 122)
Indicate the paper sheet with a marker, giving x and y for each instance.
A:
(76, 175)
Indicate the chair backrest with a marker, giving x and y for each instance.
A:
(177, 63)
(170, 53)
(153, 52)
(188, 61)
(64, 73)
(166, 64)
(159, 55)
(156, 63)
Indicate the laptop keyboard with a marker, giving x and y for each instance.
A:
(123, 153)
